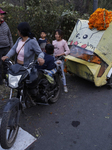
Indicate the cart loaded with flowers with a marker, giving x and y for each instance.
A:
(91, 48)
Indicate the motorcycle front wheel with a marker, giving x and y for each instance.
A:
(9, 125)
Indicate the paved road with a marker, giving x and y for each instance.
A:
(80, 120)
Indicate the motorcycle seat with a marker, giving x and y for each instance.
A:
(50, 72)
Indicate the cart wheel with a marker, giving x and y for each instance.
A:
(110, 81)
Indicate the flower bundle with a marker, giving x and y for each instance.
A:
(65, 69)
(100, 19)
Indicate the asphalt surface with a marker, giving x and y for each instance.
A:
(80, 120)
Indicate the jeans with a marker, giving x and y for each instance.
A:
(62, 71)
(3, 67)
(63, 74)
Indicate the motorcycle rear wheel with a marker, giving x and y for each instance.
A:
(56, 96)
(9, 127)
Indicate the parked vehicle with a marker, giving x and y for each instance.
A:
(33, 87)
(90, 53)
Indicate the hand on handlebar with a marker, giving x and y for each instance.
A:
(4, 58)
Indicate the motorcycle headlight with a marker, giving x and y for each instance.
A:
(14, 80)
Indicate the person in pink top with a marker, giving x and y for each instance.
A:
(61, 48)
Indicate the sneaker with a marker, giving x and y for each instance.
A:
(65, 89)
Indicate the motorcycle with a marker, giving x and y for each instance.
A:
(33, 87)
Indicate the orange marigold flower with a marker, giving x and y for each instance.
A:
(100, 19)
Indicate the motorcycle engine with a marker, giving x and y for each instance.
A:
(33, 92)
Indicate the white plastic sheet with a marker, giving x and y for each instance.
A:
(23, 140)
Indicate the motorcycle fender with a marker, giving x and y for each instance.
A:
(11, 103)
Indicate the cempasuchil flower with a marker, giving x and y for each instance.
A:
(100, 19)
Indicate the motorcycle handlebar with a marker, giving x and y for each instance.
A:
(32, 64)
(8, 61)
(60, 58)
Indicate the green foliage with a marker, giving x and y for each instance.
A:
(105, 4)
(48, 17)
(32, 2)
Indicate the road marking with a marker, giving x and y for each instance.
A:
(23, 140)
